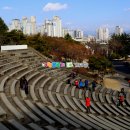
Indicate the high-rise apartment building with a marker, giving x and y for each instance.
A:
(15, 25)
(24, 23)
(103, 34)
(118, 30)
(78, 34)
(57, 26)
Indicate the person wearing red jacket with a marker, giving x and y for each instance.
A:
(121, 99)
(77, 83)
(88, 104)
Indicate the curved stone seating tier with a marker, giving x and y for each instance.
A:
(32, 90)
(11, 108)
(3, 113)
(25, 110)
(9, 63)
(71, 116)
(59, 87)
(52, 115)
(16, 124)
(128, 98)
(10, 68)
(42, 96)
(64, 117)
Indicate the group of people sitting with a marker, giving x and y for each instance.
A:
(81, 84)
(24, 84)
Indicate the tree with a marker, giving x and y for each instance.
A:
(99, 63)
(3, 26)
(68, 37)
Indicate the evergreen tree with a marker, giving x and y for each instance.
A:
(3, 26)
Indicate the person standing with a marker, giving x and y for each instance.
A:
(94, 85)
(25, 84)
(121, 99)
(88, 104)
(86, 84)
(21, 83)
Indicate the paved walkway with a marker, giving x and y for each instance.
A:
(112, 83)
(115, 84)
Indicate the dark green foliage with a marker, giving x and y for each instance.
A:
(99, 63)
(68, 37)
(3, 26)
(119, 45)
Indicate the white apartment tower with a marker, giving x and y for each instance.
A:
(33, 25)
(24, 23)
(15, 25)
(29, 26)
(118, 30)
(48, 28)
(103, 34)
(57, 26)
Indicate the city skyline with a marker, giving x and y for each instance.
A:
(86, 15)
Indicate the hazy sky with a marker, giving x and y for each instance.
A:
(82, 14)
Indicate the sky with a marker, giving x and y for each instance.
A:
(87, 15)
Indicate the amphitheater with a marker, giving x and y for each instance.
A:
(51, 104)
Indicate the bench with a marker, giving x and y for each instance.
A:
(115, 126)
(12, 87)
(102, 123)
(110, 109)
(17, 71)
(128, 98)
(50, 127)
(63, 117)
(16, 124)
(108, 99)
(103, 109)
(101, 97)
(38, 112)
(78, 104)
(66, 89)
(11, 107)
(3, 127)
(118, 110)
(59, 87)
(68, 100)
(119, 123)
(35, 126)
(61, 101)
(81, 93)
(81, 119)
(94, 96)
(52, 115)
(73, 118)
(3, 114)
(91, 122)
(122, 121)
(96, 108)
(10, 68)
(32, 91)
(2, 84)
(52, 85)
(73, 91)
(52, 99)
(25, 110)
(24, 74)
